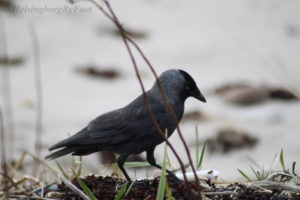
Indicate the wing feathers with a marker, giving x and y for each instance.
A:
(113, 128)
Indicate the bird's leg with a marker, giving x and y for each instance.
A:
(151, 160)
(121, 161)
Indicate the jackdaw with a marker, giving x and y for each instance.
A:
(129, 130)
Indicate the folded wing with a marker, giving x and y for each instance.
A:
(111, 129)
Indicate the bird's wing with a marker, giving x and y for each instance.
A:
(124, 125)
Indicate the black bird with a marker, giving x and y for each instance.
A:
(129, 130)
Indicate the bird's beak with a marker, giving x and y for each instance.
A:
(198, 95)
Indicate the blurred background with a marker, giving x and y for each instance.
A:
(64, 64)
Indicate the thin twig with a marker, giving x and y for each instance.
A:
(3, 155)
(125, 38)
(6, 91)
(19, 163)
(10, 180)
(149, 110)
(38, 88)
(42, 162)
(170, 109)
(28, 178)
(275, 174)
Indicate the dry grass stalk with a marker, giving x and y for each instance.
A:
(3, 155)
(276, 185)
(38, 88)
(6, 92)
(41, 161)
(12, 183)
(70, 185)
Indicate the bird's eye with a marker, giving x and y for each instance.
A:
(187, 88)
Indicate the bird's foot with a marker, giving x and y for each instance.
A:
(174, 177)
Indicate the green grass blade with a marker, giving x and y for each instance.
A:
(282, 161)
(161, 187)
(256, 174)
(197, 146)
(263, 172)
(61, 169)
(168, 191)
(202, 155)
(244, 175)
(84, 187)
(129, 189)
(162, 182)
(272, 164)
(121, 192)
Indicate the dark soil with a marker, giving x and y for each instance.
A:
(241, 192)
(106, 188)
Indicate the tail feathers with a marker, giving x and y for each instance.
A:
(61, 144)
(73, 140)
(61, 152)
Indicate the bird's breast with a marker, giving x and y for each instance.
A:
(171, 122)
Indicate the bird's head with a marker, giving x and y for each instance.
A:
(190, 88)
(178, 83)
